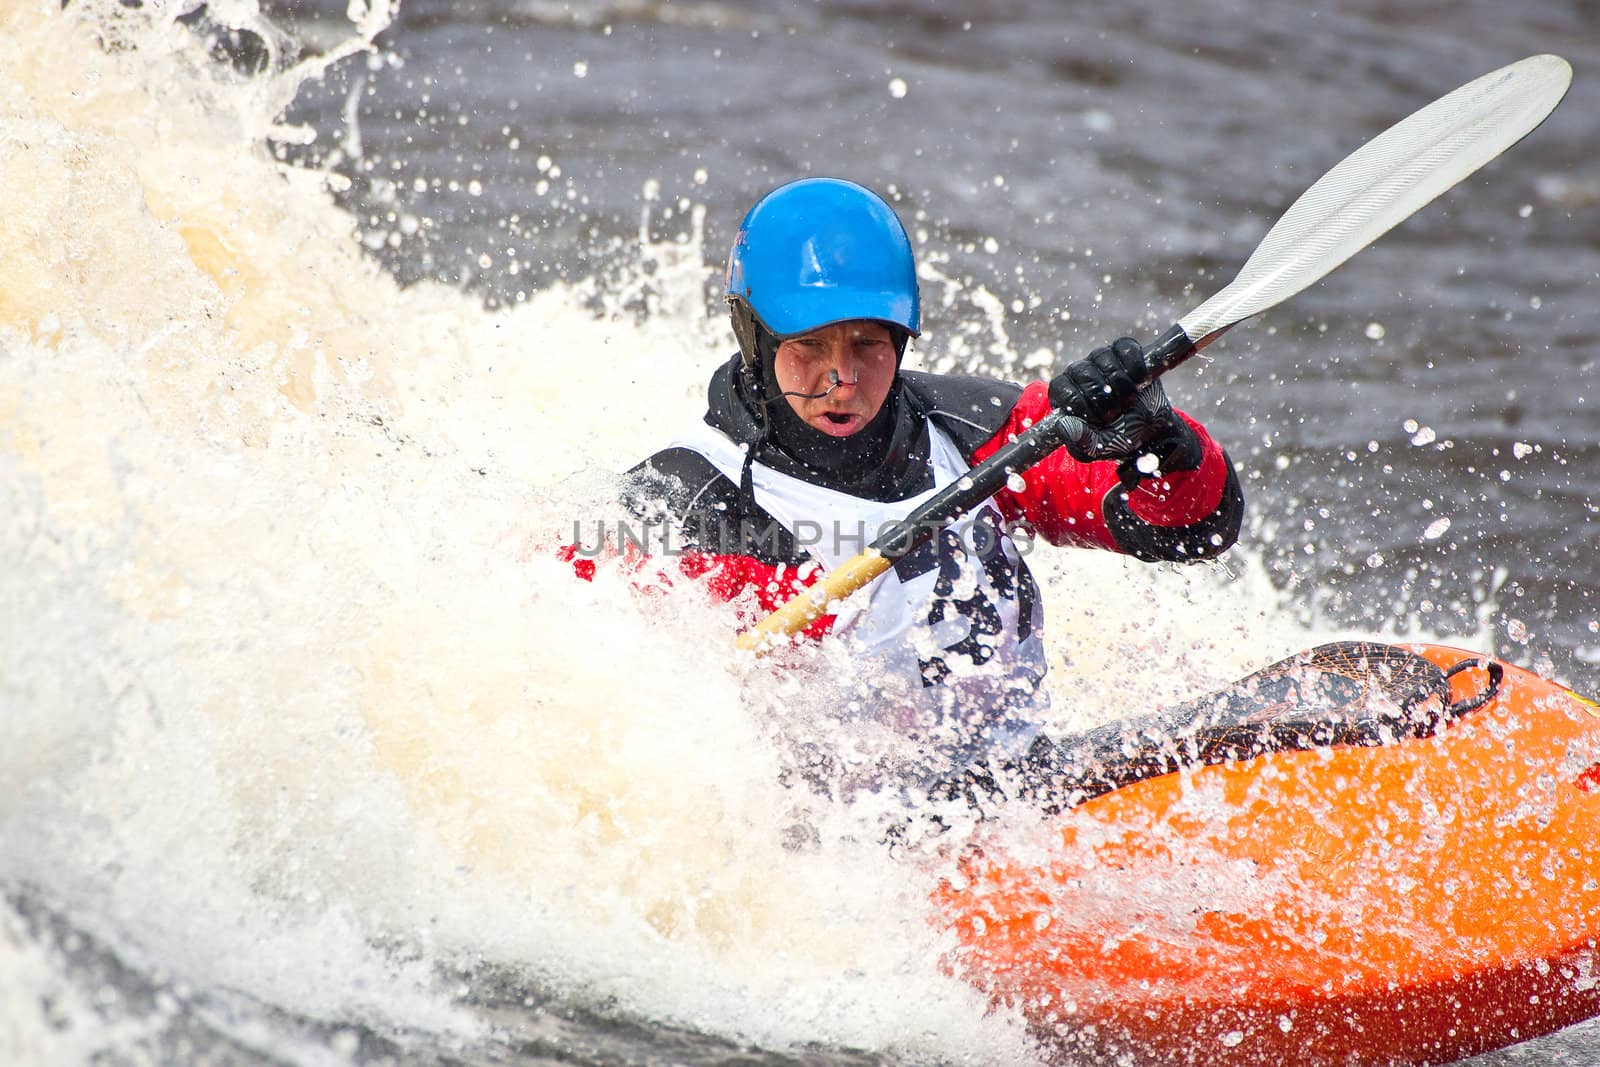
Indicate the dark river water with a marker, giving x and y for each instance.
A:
(1419, 437)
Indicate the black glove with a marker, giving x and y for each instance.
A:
(1098, 387)
(1126, 414)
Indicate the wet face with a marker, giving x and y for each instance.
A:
(861, 353)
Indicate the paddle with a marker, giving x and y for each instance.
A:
(1374, 188)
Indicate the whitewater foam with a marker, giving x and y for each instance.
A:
(300, 707)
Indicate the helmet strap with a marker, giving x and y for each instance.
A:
(747, 329)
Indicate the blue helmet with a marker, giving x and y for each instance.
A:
(819, 251)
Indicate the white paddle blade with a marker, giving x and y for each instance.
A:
(1384, 182)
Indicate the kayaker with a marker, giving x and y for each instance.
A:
(814, 437)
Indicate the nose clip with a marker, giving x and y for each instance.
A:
(834, 382)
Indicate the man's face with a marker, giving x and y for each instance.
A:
(861, 352)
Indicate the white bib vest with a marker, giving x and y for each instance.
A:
(955, 623)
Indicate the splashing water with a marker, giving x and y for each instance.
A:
(297, 702)
(300, 710)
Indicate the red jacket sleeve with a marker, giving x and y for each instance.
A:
(725, 578)
(1064, 500)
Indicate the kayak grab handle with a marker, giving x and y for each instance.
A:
(1496, 674)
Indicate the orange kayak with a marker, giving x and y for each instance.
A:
(1401, 870)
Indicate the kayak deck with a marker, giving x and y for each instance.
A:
(1421, 893)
